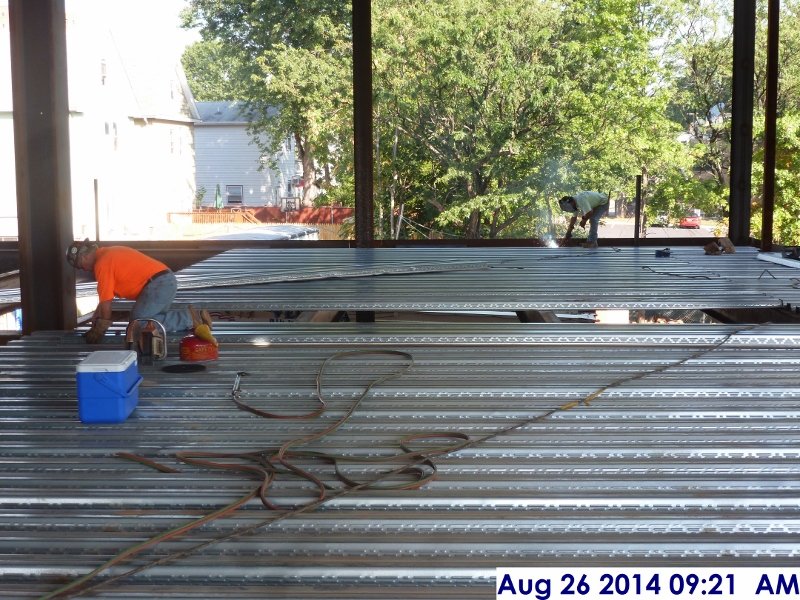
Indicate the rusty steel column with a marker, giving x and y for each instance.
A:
(637, 211)
(362, 131)
(41, 141)
(362, 122)
(744, 40)
(770, 118)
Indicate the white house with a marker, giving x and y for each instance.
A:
(226, 156)
(8, 187)
(131, 125)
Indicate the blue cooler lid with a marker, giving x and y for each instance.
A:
(107, 361)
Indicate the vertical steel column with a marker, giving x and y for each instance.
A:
(362, 122)
(41, 141)
(770, 118)
(744, 43)
(362, 130)
(637, 210)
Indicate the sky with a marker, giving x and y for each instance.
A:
(144, 19)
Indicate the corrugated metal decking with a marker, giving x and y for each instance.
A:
(516, 279)
(469, 279)
(689, 458)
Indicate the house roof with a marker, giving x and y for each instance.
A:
(226, 112)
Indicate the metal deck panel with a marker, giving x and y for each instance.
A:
(689, 458)
(472, 279)
(515, 279)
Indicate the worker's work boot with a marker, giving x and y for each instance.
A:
(202, 317)
(591, 245)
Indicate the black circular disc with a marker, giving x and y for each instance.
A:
(183, 368)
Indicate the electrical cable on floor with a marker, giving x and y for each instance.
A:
(412, 464)
(681, 275)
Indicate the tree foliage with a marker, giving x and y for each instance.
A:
(214, 72)
(501, 106)
(296, 64)
(486, 111)
(786, 217)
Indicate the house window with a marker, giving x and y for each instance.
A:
(234, 193)
(103, 71)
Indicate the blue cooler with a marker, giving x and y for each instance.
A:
(108, 386)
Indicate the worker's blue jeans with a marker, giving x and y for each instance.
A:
(598, 212)
(155, 300)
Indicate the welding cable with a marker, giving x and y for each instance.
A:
(588, 399)
(522, 264)
(681, 275)
(238, 533)
(417, 457)
(270, 462)
(282, 457)
(266, 474)
(146, 461)
(419, 462)
(371, 484)
(72, 587)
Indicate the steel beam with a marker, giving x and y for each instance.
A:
(41, 140)
(362, 121)
(770, 119)
(744, 41)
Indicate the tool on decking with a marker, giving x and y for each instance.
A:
(149, 338)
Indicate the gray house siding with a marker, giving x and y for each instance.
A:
(225, 156)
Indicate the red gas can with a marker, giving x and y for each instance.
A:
(192, 348)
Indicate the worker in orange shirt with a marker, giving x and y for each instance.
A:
(124, 272)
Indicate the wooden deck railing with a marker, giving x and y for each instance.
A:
(214, 217)
(327, 231)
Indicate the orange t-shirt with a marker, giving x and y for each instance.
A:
(122, 272)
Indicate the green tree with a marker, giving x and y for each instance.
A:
(702, 57)
(296, 59)
(488, 110)
(453, 81)
(213, 73)
(622, 89)
(786, 217)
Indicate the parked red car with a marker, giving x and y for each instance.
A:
(690, 222)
